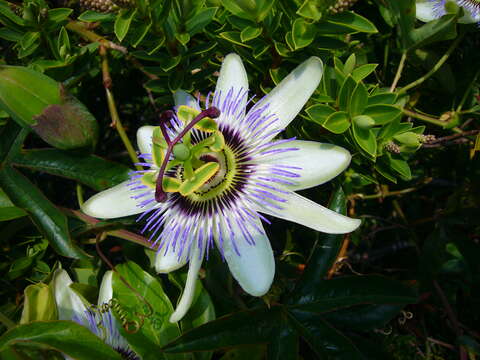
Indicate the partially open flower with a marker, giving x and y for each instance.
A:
(428, 10)
(211, 173)
(98, 319)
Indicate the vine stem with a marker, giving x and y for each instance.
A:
(435, 68)
(428, 119)
(112, 107)
(398, 75)
(79, 28)
(9, 324)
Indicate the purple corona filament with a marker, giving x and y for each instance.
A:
(211, 112)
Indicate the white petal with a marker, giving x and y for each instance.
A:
(144, 139)
(106, 291)
(287, 98)
(69, 304)
(189, 291)
(167, 262)
(254, 268)
(183, 98)
(115, 202)
(232, 76)
(425, 10)
(319, 162)
(308, 213)
(470, 17)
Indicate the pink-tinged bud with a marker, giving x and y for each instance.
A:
(211, 112)
(34, 100)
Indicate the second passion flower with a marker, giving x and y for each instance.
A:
(210, 175)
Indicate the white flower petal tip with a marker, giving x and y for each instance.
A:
(167, 262)
(308, 213)
(290, 95)
(425, 10)
(252, 265)
(144, 139)
(105, 293)
(183, 98)
(316, 163)
(113, 203)
(69, 304)
(188, 294)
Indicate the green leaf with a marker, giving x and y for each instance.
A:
(345, 93)
(234, 37)
(9, 14)
(149, 306)
(250, 33)
(348, 291)
(240, 328)
(250, 10)
(303, 33)
(49, 220)
(29, 39)
(437, 30)
(349, 64)
(67, 337)
(358, 100)
(10, 35)
(401, 167)
(366, 139)
(324, 339)
(198, 22)
(382, 114)
(7, 210)
(380, 99)
(90, 170)
(63, 43)
(403, 14)
(310, 9)
(59, 14)
(345, 23)
(93, 16)
(323, 256)
(337, 123)
(319, 113)
(363, 71)
(123, 21)
(284, 344)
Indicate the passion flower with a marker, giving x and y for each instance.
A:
(210, 174)
(428, 10)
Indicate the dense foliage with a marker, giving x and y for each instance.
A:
(401, 95)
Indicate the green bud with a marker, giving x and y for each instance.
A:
(39, 304)
(181, 152)
(37, 101)
(408, 138)
(364, 121)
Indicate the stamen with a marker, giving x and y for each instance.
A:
(211, 112)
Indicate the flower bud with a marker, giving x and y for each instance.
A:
(364, 121)
(37, 101)
(408, 138)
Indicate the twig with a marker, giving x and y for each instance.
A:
(435, 68)
(425, 118)
(79, 28)
(441, 343)
(398, 75)
(453, 137)
(116, 123)
(383, 194)
(122, 234)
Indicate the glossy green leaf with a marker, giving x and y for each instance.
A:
(383, 114)
(93, 16)
(345, 93)
(346, 22)
(358, 100)
(363, 71)
(381, 99)
(319, 113)
(366, 139)
(59, 14)
(403, 13)
(311, 9)
(123, 21)
(49, 220)
(349, 64)
(67, 337)
(240, 328)
(250, 10)
(233, 36)
(437, 30)
(149, 306)
(337, 123)
(303, 33)
(401, 167)
(8, 211)
(90, 170)
(349, 291)
(198, 22)
(284, 344)
(250, 33)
